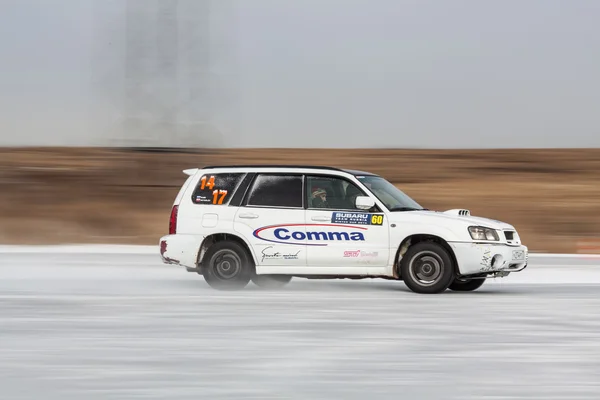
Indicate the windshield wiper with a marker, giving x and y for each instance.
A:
(407, 209)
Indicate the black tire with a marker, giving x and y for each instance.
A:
(271, 281)
(427, 259)
(466, 285)
(227, 266)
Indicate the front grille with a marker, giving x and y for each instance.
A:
(509, 235)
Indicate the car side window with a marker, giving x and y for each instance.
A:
(272, 190)
(332, 193)
(216, 189)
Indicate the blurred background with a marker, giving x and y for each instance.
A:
(490, 106)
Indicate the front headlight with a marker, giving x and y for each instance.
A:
(483, 233)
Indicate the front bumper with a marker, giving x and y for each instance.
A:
(484, 258)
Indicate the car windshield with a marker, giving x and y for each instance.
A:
(393, 198)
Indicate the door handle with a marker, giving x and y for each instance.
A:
(248, 216)
(321, 219)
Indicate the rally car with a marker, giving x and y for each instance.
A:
(269, 223)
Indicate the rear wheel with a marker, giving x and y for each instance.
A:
(467, 285)
(271, 281)
(427, 268)
(227, 266)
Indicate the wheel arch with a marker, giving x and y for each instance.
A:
(220, 237)
(413, 239)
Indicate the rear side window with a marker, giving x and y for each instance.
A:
(276, 191)
(216, 188)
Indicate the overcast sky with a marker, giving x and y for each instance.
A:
(300, 73)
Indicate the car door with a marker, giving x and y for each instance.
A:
(271, 219)
(338, 234)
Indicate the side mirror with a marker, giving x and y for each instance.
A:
(364, 202)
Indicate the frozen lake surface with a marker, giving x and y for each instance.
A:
(125, 326)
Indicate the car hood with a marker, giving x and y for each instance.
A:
(455, 215)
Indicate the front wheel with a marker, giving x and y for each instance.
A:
(468, 285)
(271, 281)
(427, 268)
(227, 266)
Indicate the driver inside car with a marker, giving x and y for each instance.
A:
(319, 198)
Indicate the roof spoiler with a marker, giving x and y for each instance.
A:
(190, 172)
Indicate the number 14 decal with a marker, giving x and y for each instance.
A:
(216, 198)
(210, 184)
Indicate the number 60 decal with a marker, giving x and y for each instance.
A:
(376, 219)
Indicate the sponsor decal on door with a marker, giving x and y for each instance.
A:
(355, 218)
(268, 253)
(360, 253)
(315, 234)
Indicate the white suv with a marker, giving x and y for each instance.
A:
(233, 224)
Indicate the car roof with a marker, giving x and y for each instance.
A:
(356, 172)
(288, 166)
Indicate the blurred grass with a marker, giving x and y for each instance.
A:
(81, 195)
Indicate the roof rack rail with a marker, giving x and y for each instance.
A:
(274, 166)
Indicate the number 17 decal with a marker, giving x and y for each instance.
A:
(216, 194)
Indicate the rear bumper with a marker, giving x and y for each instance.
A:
(181, 250)
(477, 258)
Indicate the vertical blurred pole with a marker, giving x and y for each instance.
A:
(165, 132)
(151, 72)
(206, 63)
(168, 97)
(165, 73)
(139, 51)
(195, 99)
(224, 82)
(107, 77)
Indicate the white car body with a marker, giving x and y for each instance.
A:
(338, 242)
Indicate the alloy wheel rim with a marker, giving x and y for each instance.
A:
(426, 267)
(227, 264)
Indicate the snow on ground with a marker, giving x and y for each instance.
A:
(121, 325)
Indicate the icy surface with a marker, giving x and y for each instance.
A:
(124, 326)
